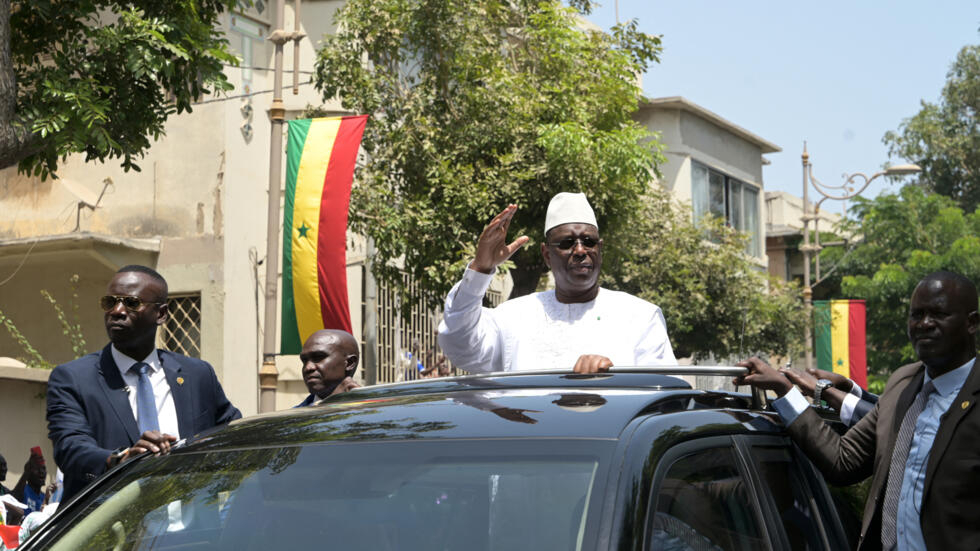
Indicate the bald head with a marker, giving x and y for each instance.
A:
(328, 356)
(960, 284)
(943, 321)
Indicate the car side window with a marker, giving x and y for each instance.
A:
(793, 503)
(703, 502)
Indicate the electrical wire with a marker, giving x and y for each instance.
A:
(239, 96)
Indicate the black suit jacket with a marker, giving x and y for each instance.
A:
(951, 497)
(89, 414)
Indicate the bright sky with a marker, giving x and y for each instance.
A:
(838, 74)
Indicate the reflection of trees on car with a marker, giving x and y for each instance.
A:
(140, 514)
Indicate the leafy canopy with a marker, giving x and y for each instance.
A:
(944, 138)
(905, 236)
(715, 300)
(101, 77)
(478, 104)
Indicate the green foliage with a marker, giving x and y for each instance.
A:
(716, 301)
(944, 138)
(72, 329)
(904, 236)
(476, 105)
(101, 77)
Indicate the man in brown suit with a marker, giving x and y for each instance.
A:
(926, 492)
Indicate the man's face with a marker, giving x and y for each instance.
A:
(324, 363)
(36, 473)
(574, 254)
(127, 328)
(942, 323)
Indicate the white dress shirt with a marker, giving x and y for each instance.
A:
(162, 395)
(850, 402)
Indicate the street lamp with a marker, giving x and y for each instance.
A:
(842, 192)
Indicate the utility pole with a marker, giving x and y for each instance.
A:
(268, 374)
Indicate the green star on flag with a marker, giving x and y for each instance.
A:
(841, 343)
(303, 229)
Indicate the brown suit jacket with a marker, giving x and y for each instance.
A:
(950, 513)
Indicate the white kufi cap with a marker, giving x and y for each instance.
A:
(569, 208)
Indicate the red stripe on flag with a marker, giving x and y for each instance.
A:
(857, 347)
(332, 239)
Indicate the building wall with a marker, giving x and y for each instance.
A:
(22, 394)
(687, 137)
(785, 209)
(784, 233)
(35, 318)
(720, 149)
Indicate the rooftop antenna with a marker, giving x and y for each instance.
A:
(86, 198)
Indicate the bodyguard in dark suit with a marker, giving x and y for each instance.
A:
(129, 398)
(920, 442)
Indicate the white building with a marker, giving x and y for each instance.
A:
(713, 164)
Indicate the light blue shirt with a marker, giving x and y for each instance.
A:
(907, 524)
(948, 385)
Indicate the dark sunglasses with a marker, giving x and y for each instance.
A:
(569, 242)
(133, 304)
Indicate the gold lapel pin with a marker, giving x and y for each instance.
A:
(965, 404)
(180, 381)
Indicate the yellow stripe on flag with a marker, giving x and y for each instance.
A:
(840, 346)
(306, 220)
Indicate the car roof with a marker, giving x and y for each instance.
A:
(499, 405)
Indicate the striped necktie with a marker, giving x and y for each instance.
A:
(896, 470)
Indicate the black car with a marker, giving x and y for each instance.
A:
(621, 460)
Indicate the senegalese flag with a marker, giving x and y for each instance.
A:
(320, 156)
(841, 345)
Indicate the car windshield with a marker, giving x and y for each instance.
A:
(488, 494)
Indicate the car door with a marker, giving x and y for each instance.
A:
(739, 492)
(793, 496)
(703, 497)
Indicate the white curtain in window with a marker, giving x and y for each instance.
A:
(699, 190)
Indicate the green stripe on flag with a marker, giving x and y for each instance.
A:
(290, 341)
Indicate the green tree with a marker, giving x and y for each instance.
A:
(478, 104)
(101, 77)
(904, 236)
(944, 138)
(715, 300)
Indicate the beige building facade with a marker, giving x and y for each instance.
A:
(784, 233)
(713, 164)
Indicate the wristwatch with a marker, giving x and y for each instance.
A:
(822, 384)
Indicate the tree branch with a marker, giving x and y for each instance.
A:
(16, 140)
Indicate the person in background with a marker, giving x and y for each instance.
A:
(330, 358)
(30, 488)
